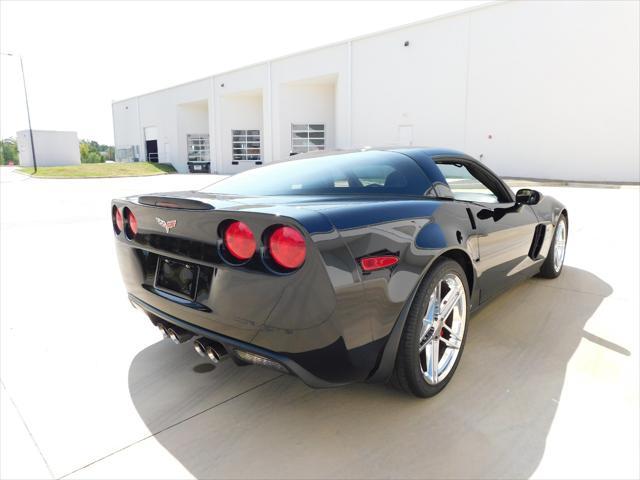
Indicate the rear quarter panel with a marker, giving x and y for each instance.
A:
(418, 231)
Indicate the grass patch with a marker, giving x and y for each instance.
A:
(97, 170)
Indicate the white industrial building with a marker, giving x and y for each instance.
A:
(53, 148)
(533, 89)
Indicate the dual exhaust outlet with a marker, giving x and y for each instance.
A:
(214, 351)
(209, 349)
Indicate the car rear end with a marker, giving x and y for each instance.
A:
(245, 279)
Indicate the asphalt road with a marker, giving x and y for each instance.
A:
(548, 385)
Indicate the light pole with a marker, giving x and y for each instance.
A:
(24, 83)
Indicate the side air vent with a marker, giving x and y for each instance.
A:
(471, 219)
(536, 244)
(173, 202)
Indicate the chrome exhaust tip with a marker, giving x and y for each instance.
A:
(213, 355)
(178, 335)
(209, 349)
(173, 336)
(200, 348)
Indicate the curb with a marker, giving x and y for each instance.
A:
(90, 178)
(570, 183)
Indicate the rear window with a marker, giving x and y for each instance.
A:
(372, 172)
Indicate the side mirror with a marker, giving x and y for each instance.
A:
(526, 196)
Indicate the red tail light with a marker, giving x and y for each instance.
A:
(117, 219)
(132, 224)
(369, 264)
(239, 240)
(287, 247)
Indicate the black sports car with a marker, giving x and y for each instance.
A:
(338, 267)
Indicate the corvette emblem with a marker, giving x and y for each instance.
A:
(168, 225)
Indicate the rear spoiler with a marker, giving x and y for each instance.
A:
(174, 202)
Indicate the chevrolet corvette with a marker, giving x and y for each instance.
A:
(337, 267)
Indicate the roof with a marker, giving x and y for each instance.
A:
(428, 151)
(333, 44)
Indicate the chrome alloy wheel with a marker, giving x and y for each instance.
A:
(560, 245)
(442, 329)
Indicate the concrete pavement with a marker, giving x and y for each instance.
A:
(548, 384)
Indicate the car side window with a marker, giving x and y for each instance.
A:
(465, 186)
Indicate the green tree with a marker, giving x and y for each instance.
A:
(8, 151)
(84, 151)
(94, 152)
(94, 157)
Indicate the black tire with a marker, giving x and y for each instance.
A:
(407, 373)
(548, 269)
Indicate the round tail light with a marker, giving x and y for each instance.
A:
(239, 241)
(118, 223)
(287, 247)
(132, 223)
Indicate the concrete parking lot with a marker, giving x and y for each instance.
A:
(548, 386)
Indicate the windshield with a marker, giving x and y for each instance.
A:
(372, 172)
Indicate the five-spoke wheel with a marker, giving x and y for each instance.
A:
(552, 265)
(442, 330)
(559, 245)
(434, 333)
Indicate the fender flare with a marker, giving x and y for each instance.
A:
(384, 367)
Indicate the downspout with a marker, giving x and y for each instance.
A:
(142, 150)
(212, 127)
(270, 117)
(349, 102)
(113, 125)
(466, 85)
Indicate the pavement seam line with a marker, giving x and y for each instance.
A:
(169, 427)
(24, 423)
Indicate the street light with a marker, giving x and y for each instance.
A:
(24, 83)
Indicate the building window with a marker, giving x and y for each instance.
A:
(307, 137)
(198, 148)
(246, 145)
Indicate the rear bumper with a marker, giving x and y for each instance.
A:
(329, 357)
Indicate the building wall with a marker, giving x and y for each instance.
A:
(533, 89)
(249, 89)
(325, 68)
(418, 89)
(302, 104)
(52, 148)
(239, 112)
(126, 125)
(168, 111)
(192, 119)
(556, 87)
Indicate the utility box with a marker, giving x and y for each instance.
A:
(52, 148)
